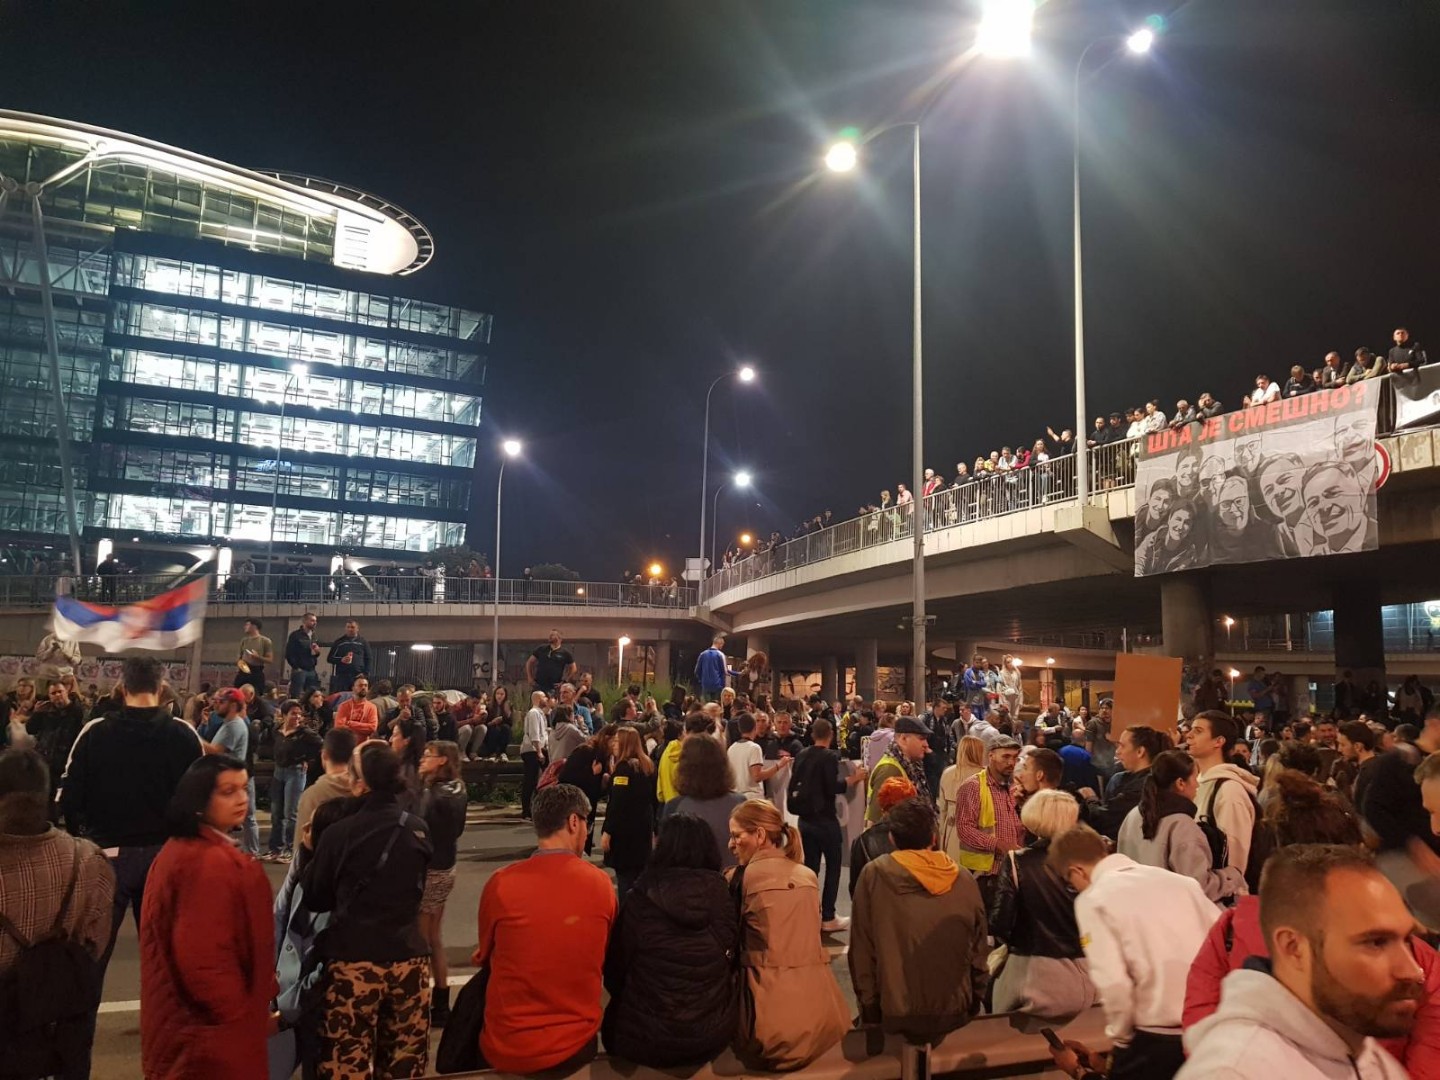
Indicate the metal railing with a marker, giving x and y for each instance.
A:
(318, 590)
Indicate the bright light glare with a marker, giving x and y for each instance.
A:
(299, 370)
(624, 641)
(1049, 660)
(1005, 27)
(1140, 41)
(421, 646)
(1228, 621)
(842, 157)
(746, 538)
(656, 569)
(742, 479)
(511, 447)
(1234, 674)
(747, 374)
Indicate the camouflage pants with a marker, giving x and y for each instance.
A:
(375, 1013)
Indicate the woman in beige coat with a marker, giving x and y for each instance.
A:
(969, 760)
(791, 1008)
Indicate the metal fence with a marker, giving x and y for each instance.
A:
(318, 590)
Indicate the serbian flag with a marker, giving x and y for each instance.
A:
(162, 623)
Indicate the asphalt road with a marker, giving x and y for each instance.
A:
(492, 839)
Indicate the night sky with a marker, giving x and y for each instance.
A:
(630, 187)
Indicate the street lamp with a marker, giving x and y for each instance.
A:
(510, 448)
(1137, 44)
(655, 569)
(746, 539)
(1005, 27)
(620, 673)
(1233, 676)
(746, 374)
(740, 480)
(836, 160)
(297, 372)
(1229, 624)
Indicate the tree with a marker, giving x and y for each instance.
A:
(553, 571)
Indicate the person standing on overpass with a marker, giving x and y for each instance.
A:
(711, 668)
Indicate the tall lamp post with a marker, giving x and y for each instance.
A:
(1137, 44)
(297, 372)
(740, 480)
(620, 673)
(842, 157)
(745, 374)
(510, 448)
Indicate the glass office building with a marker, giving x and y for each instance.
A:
(224, 341)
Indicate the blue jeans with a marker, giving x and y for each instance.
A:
(250, 831)
(302, 682)
(286, 785)
(132, 867)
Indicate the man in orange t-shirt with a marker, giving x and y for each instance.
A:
(544, 924)
(358, 714)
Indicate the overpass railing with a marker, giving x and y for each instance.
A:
(318, 590)
(979, 499)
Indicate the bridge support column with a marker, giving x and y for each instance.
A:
(830, 678)
(867, 659)
(1186, 626)
(662, 661)
(1359, 631)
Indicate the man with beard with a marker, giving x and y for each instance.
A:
(987, 824)
(1236, 536)
(1336, 508)
(905, 757)
(358, 714)
(1341, 974)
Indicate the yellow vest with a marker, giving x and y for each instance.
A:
(980, 862)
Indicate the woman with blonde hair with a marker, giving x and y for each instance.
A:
(970, 758)
(782, 960)
(1033, 913)
(629, 828)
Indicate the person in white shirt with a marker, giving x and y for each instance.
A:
(1227, 792)
(532, 745)
(1341, 974)
(1265, 391)
(1141, 927)
(747, 761)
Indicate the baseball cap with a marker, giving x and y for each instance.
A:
(231, 693)
(909, 725)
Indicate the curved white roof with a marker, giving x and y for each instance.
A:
(383, 239)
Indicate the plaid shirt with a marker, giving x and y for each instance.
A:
(34, 874)
(1009, 833)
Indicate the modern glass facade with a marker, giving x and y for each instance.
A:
(184, 309)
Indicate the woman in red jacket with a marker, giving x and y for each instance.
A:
(207, 942)
(1305, 813)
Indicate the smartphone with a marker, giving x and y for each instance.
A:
(1056, 1043)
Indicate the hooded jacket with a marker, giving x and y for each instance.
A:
(670, 970)
(918, 944)
(1178, 846)
(1420, 1052)
(122, 773)
(1234, 809)
(1262, 1031)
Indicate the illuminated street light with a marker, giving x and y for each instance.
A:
(1005, 28)
(512, 449)
(656, 569)
(746, 539)
(1050, 660)
(842, 156)
(746, 374)
(422, 647)
(1140, 41)
(741, 479)
(621, 657)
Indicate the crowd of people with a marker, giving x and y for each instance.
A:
(1027, 474)
(1233, 895)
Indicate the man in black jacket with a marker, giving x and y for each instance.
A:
(1406, 355)
(1391, 805)
(302, 654)
(123, 771)
(1137, 747)
(817, 783)
(55, 725)
(351, 656)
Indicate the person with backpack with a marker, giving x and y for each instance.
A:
(207, 941)
(815, 784)
(56, 892)
(1226, 795)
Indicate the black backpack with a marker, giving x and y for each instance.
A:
(1262, 838)
(48, 998)
(805, 795)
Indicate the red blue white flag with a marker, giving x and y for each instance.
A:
(159, 624)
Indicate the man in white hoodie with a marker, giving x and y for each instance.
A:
(1226, 794)
(1341, 974)
(1140, 927)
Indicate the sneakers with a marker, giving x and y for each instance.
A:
(835, 925)
(270, 856)
(285, 856)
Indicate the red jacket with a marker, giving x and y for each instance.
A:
(1420, 1053)
(207, 963)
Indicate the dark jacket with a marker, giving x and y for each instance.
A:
(869, 845)
(579, 770)
(375, 906)
(123, 771)
(297, 649)
(444, 808)
(55, 731)
(344, 674)
(300, 746)
(818, 766)
(1390, 801)
(1035, 917)
(918, 945)
(670, 970)
(1122, 795)
(630, 817)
